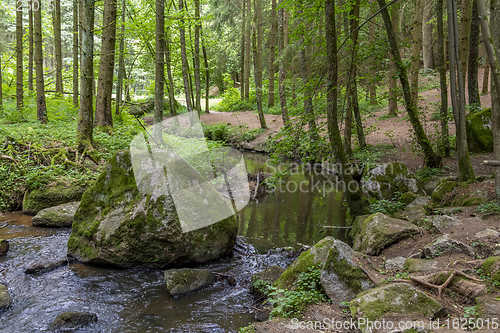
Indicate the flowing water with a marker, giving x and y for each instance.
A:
(136, 300)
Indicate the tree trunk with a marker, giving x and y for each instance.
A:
(372, 70)
(415, 50)
(495, 83)
(445, 136)
(284, 110)
(357, 114)
(242, 49)
(207, 74)
(121, 63)
(197, 76)
(103, 112)
(431, 158)
(41, 107)
(465, 22)
(272, 53)
(353, 196)
(185, 70)
(159, 68)
(19, 59)
(86, 112)
(30, 48)
(428, 52)
(75, 52)
(257, 68)
(247, 50)
(56, 17)
(486, 76)
(168, 60)
(1, 89)
(351, 81)
(472, 74)
(393, 89)
(465, 171)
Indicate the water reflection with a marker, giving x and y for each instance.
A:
(295, 212)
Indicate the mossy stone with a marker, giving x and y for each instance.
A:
(117, 225)
(491, 267)
(186, 280)
(4, 297)
(50, 196)
(444, 186)
(479, 131)
(263, 280)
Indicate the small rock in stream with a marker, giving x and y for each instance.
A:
(71, 320)
(4, 247)
(4, 297)
(45, 268)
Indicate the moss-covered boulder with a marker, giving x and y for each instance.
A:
(50, 196)
(187, 280)
(315, 256)
(444, 186)
(416, 265)
(4, 297)
(443, 245)
(59, 216)
(117, 224)
(341, 277)
(378, 231)
(262, 281)
(479, 133)
(72, 320)
(4, 247)
(491, 268)
(398, 299)
(383, 181)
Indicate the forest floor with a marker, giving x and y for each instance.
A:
(395, 133)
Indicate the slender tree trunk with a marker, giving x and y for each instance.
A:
(465, 171)
(121, 62)
(486, 76)
(351, 81)
(185, 66)
(472, 73)
(75, 52)
(357, 114)
(86, 113)
(159, 68)
(247, 50)
(281, 46)
(431, 158)
(465, 23)
(197, 76)
(56, 17)
(353, 195)
(415, 50)
(168, 60)
(41, 107)
(373, 63)
(257, 69)
(445, 136)
(30, 48)
(207, 74)
(495, 82)
(272, 53)
(393, 89)
(1, 88)
(103, 112)
(242, 50)
(19, 59)
(428, 52)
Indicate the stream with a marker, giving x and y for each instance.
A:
(136, 300)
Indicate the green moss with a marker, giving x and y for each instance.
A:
(491, 268)
(352, 276)
(444, 186)
(479, 133)
(300, 265)
(408, 197)
(50, 196)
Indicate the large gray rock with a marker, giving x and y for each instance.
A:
(341, 277)
(71, 320)
(186, 280)
(395, 263)
(441, 222)
(419, 201)
(416, 265)
(488, 306)
(45, 267)
(378, 231)
(487, 233)
(117, 224)
(58, 216)
(445, 244)
(397, 299)
(385, 180)
(4, 297)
